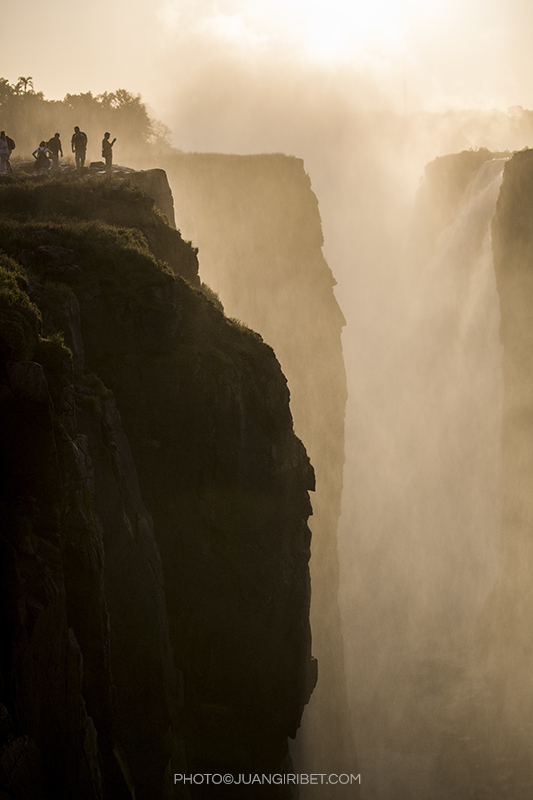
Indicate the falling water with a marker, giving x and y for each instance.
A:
(427, 523)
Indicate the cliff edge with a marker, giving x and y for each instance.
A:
(155, 500)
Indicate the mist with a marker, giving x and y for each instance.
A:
(368, 105)
(419, 535)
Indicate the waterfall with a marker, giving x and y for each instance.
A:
(426, 533)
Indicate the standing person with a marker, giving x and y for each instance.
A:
(54, 145)
(79, 146)
(11, 146)
(107, 150)
(4, 152)
(42, 158)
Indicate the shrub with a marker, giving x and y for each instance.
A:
(212, 296)
(19, 318)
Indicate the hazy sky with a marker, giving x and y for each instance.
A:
(402, 54)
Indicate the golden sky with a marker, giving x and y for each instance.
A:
(414, 54)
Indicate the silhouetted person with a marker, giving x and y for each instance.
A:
(4, 152)
(42, 158)
(54, 145)
(11, 147)
(107, 150)
(79, 146)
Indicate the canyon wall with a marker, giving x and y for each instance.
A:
(465, 375)
(155, 547)
(506, 631)
(256, 223)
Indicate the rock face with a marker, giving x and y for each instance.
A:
(140, 200)
(486, 710)
(489, 752)
(508, 628)
(256, 223)
(154, 183)
(155, 580)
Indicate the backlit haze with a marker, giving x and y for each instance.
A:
(446, 53)
(367, 94)
(321, 80)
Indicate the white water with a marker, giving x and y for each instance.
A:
(420, 535)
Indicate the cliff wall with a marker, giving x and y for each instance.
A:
(483, 725)
(256, 222)
(507, 630)
(154, 498)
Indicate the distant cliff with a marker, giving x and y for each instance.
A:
(154, 498)
(487, 707)
(507, 633)
(256, 222)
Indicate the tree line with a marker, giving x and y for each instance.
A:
(28, 117)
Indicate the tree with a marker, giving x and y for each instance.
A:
(84, 102)
(29, 116)
(160, 134)
(24, 84)
(6, 91)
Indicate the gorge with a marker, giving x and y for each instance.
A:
(161, 618)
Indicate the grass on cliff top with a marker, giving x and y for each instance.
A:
(112, 200)
(98, 218)
(13, 283)
(114, 256)
(118, 261)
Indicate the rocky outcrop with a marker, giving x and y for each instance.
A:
(508, 627)
(256, 223)
(154, 183)
(155, 552)
(441, 193)
(42, 673)
(226, 482)
(141, 200)
(88, 655)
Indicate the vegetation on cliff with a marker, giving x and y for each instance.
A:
(119, 203)
(32, 117)
(19, 318)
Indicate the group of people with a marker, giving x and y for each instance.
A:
(47, 154)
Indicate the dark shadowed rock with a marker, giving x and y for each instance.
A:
(27, 381)
(155, 580)
(256, 222)
(21, 773)
(155, 183)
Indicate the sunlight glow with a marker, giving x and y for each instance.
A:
(338, 31)
(342, 29)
